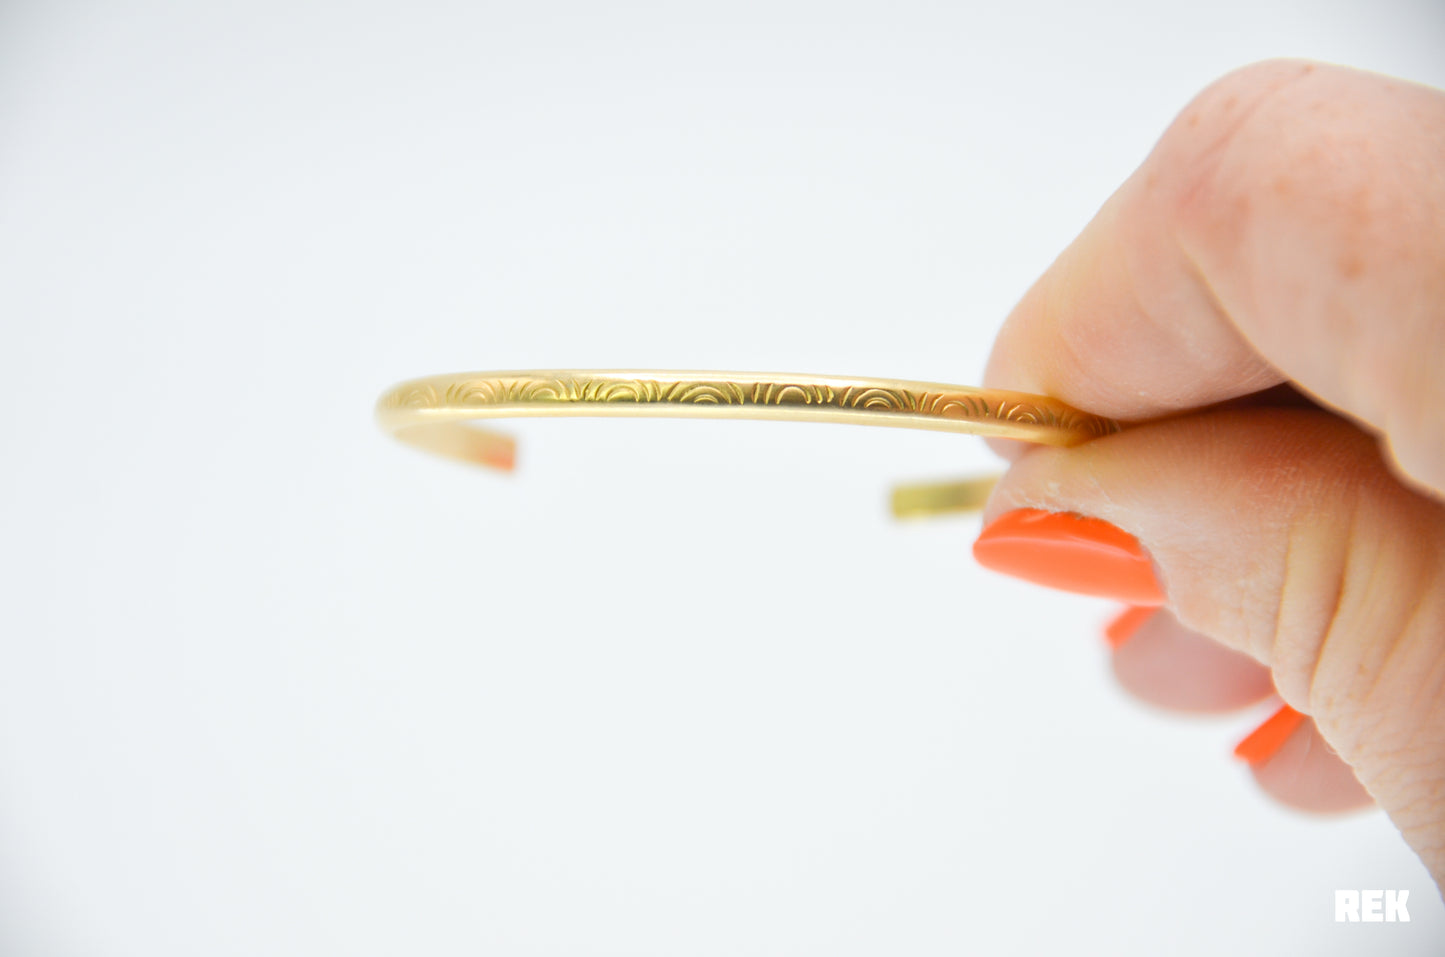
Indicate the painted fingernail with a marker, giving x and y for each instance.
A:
(1266, 740)
(1071, 553)
(1121, 629)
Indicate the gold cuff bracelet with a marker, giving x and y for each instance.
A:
(430, 413)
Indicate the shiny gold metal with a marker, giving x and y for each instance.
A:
(939, 498)
(431, 413)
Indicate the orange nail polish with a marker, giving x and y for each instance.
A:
(1071, 553)
(1266, 740)
(1121, 629)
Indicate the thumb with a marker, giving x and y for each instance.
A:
(1280, 533)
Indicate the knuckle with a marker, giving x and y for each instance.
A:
(1235, 150)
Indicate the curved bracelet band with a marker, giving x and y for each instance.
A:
(430, 413)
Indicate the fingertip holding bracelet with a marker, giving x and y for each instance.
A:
(432, 413)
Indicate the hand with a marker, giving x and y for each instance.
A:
(1264, 299)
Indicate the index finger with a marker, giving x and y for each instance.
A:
(1287, 227)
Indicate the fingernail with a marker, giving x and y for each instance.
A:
(1266, 740)
(1071, 553)
(1121, 629)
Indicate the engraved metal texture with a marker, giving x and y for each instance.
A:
(431, 414)
(885, 402)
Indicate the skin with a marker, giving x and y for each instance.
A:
(1264, 302)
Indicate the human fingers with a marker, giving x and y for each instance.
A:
(1286, 227)
(1296, 766)
(1161, 662)
(1158, 660)
(1280, 533)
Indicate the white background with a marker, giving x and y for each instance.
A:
(273, 684)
